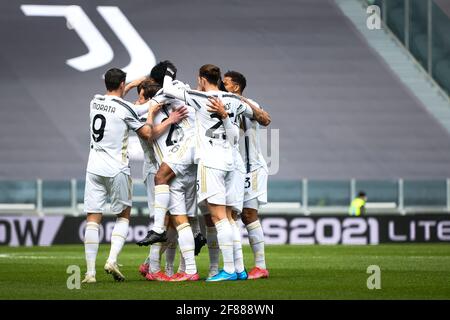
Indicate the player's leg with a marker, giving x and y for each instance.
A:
(224, 239)
(235, 200)
(256, 239)
(191, 207)
(94, 201)
(91, 244)
(187, 246)
(149, 182)
(212, 191)
(213, 245)
(162, 198)
(180, 220)
(172, 244)
(156, 251)
(237, 246)
(255, 193)
(120, 189)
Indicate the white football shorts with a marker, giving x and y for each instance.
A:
(215, 185)
(237, 186)
(255, 185)
(183, 193)
(98, 188)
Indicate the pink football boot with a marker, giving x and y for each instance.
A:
(143, 269)
(182, 276)
(258, 273)
(158, 276)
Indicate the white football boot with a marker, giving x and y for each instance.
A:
(113, 268)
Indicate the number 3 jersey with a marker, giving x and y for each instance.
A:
(110, 119)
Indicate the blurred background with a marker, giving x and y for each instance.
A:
(353, 106)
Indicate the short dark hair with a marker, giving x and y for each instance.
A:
(361, 194)
(211, 73)
(113, 78)
(150, 88)
(237, 78)
(222, 86)
(159, 71)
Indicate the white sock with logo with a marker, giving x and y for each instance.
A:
(162, 199)
(225, 240)
(237, 247)
(187, 246)
(182, 265)
(91, 240)
(155, 257)
(118, 237)
(256, 239)
(213, 250)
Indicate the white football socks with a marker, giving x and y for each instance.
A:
(256, 239)
(118, 237)
(162, 199)
(237, 247)
(187, 246)
(155, 257)
(91, 240)
(182, 265)
(213, 250)
(225, 240)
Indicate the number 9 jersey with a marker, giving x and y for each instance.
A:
(110, 119)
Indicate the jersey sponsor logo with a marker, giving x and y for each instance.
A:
(100, 52)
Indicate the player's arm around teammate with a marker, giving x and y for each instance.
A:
(256, 179)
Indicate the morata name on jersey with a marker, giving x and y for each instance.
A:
(103, 107)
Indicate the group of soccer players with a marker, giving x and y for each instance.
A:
(195, 158)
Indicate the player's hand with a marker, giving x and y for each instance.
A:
(137, 82)
(177, 115)
(170, 73)
(155, 108)
(215, 105)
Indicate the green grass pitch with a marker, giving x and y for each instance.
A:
(297, 272)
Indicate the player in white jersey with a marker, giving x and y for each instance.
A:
(147, 88)
(256, 175)
(237, 184)
(175, 164)
(215, 137)
(175, 183)
(108, 172)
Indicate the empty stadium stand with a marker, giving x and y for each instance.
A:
(341, 112)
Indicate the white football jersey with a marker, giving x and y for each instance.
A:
(172, 145)
(213, 149)
(110, 119)
(250, 146)
(150, 163)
